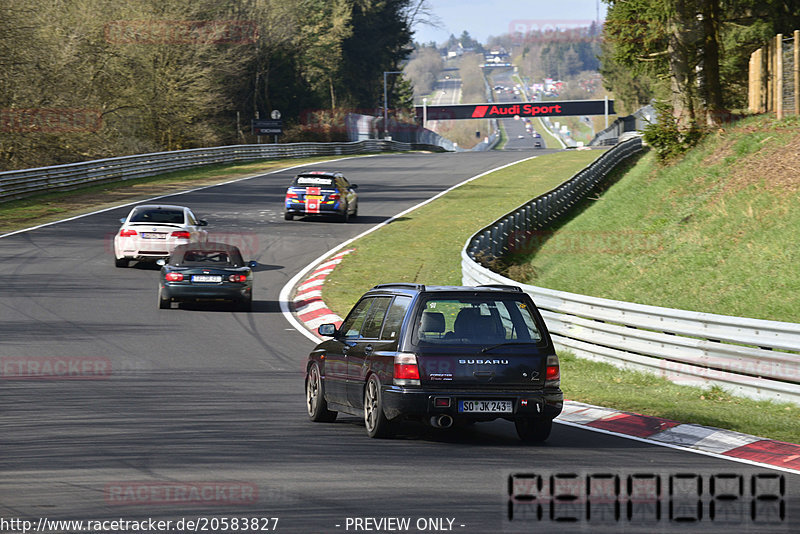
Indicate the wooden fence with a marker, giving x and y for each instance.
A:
(774, 77)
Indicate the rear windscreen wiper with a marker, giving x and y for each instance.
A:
(491, 347)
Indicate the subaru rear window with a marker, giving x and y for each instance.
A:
(476, 320)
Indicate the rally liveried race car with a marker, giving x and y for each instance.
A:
(321, 193)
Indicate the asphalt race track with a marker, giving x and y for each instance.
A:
(199, 412)
(518, 138)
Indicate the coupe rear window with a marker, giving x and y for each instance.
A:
(476, 320)
(157, 216)
(313, 181)
(210, 257)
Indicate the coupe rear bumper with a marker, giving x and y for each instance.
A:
(224, 291)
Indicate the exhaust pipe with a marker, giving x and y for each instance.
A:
(441, 421)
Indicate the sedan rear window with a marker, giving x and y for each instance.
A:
(157, 216)
(476, 320)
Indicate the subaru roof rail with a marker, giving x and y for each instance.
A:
(407, 285)
(501, 286)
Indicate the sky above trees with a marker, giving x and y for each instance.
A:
(484, 18)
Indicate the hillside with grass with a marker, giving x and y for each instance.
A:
(714, 232)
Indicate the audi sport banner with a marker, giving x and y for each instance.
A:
(551, 108)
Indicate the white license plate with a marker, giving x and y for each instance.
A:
(206, 278)
(151, 235)
(485, 406)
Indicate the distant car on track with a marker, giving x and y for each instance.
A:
(321, 193)
(206, 271)
(441, 355)
(152, 231)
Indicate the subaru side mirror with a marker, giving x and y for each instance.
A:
(327, 330)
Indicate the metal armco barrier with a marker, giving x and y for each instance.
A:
(19, 184)
(635, 122)
(513, 230)
(748, 357)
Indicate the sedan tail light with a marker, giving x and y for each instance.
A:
(127, 233)
(406, 370)
(334, 196)
(552, 375)
(291, 195)
(181, 234)
(238, 278)
(174, 277)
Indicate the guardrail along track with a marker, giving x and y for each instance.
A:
(749, 357)
(19, 184)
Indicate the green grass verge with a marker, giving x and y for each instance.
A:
(550, 140)
(425, 247)
(48, 207)
(715, 232)
(503, 136)
(580, 131)
(605, 385)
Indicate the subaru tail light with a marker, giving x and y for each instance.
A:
(406, 370)
(553, 372)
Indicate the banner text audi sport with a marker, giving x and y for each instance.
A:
(551, 108)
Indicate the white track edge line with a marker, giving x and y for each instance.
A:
(679, 447)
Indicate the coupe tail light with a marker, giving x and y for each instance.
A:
(174, 277)
(406, 370)
(181, 234)
(552, 375)
(237, 278)
(127, 233)
(334, 196)
(291, 195)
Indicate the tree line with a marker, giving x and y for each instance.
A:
(690, 55)
(156, 75)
